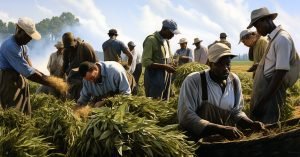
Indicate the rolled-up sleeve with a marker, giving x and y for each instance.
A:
(19, 63)
(283, 49)
(147, 52)
(189, 101)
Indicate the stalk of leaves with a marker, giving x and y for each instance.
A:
(117, 132)
(184, 70)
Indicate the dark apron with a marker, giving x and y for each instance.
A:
(14, 91)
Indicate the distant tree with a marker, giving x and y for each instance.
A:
(11, 28)
(3, 28)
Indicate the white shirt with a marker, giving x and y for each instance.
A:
(190, 99)
(279, 54)
(201, 55)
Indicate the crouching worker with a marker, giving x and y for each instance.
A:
(102, 80)
(211, 102)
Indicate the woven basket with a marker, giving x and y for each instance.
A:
(283, 144)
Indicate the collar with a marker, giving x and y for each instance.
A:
(274, 32)
(228, 80)
(103, 72)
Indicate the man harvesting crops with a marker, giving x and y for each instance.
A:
(15, 67)
(278, 69)
(200, 52)
(184, 54)
(75, 52)
(101, 80)
(157, 61)
(211, 101)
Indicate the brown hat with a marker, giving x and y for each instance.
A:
(68, 40)
(260, 13)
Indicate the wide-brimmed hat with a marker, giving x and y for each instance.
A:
(182, 40)
(260, 13)
(244, 33)
(171, 25)
(218, 50)
(131, 43)
(59, 44)
(197, 40)
(113, 32)
(28, 26)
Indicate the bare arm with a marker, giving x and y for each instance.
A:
(129, 55)
(167, 67)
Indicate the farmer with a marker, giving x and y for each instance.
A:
(184, 54)
(15, 67)
(211, 102)
(101, 80)
(138, 66)
(112, 48)
(269, 89)
(54, 66)
(156, 59)
(200, 52)
(223, 40)
(75, 52)
(257, 46)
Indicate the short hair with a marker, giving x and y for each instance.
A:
(85, 67)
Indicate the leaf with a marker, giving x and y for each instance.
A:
(105, 134)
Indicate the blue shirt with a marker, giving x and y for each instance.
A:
(117, 46)
(12, 57)
(114, 79)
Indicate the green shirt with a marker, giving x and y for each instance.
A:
(154, 50)
(259, 49)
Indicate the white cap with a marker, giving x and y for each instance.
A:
(244, 33)
(182, 40)
(218, 50)
(28, 26)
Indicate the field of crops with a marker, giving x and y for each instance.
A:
(124, 126)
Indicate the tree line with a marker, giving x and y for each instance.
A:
(50, 28)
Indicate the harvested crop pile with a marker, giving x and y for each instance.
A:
(184, 70)
(115, 131)
(57, 121)
(58, 83)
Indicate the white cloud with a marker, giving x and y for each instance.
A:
(46, 11)
(6, 18)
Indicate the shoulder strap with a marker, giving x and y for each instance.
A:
(203, 86)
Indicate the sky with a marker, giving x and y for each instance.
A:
(136, 19)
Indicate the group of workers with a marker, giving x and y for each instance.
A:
(210, 102)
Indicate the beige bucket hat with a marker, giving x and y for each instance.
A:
(260, 13)
(244, 33)
(28, 26)
(218, 50)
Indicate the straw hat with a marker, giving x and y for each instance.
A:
(218, 50)
(260, 13)
(182, 40)
(59, 44)
(28, 26)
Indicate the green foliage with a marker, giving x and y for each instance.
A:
(56, 121)
(184, 70)
(115, 131)
(22, 142)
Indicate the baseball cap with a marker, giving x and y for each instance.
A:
(218, 50)
(28, 26)
(171, 25)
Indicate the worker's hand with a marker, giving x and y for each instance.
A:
(257, 126)
(169, 68)
(231, 133)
